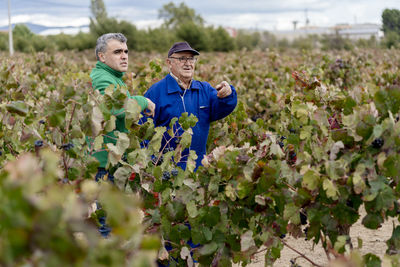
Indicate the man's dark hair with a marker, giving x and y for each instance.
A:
(101, 44)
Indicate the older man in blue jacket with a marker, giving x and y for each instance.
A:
(178, 92)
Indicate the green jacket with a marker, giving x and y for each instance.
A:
(102, 76)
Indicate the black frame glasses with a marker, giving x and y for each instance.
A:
(185, 59)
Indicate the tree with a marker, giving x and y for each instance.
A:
(391, 21)
(3, 41)
(98, 9)
(247, 40)
(195, 35)
(174, 16)
(222, 41)
(391, 27)
(100, 24)
(23, 38)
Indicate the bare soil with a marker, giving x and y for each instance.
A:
(373, 241)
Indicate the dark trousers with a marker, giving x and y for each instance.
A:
(103, 174)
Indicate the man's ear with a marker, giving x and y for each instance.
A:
(168, 62)
(101, 57)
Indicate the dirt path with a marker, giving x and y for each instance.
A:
(374, 241)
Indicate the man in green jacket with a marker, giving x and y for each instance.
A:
(112, 61)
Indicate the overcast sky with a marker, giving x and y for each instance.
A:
(252, 14)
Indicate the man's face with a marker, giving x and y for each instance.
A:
(116, 55)
(184, 69)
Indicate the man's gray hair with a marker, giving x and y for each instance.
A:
(101, 45)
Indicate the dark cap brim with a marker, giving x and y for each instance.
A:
(188, 50)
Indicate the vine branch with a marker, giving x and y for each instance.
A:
(301, 254)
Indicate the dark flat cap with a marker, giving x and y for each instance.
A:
(181, 47)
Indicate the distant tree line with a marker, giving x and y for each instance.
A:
(183, 23)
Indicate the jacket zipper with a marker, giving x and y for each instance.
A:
(183, 100)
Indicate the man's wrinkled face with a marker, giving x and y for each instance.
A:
(115, 56)
(182, 65)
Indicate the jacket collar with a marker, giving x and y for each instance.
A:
(101, 65)
(173, 86)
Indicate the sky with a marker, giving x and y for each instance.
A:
(247, 14)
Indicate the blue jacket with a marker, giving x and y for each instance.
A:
(200, 100)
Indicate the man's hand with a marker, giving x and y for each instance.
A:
(223, 89)
(151, 107)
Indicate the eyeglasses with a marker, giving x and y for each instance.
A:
(185, 59)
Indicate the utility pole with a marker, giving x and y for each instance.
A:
(10, 37)
(294, 24)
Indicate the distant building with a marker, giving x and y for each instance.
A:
(231, 31)
(359, 31)
(351, 31)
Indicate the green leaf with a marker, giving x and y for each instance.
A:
(96, 121)
(122, 142)
(191, 208)
(207, 233)
(132, 111)
(150, 242)
(340, 243)
(358, 181)
(121, 175)
(98, 142)
(110, 124)
(244, 188)
(247, 241)
(394, 242)
(372, 221)
(377, 131)
(331, 189)
(305, 133)
(292, 213)
(17, 107)
(155, 143)
(277, 151)
(208, 249)
(372, 260)
(186, 139)
(311, 180)
(114, 154)
(349, 104)
(230, 192)
(212, 217)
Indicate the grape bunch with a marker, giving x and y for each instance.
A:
(377, 143)
(38, 143)
(166, 176)
(292, 158)
(67, 146)
(155, 162)
(303, 218)
(174, 172)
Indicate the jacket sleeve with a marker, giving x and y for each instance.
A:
(100, 84)
(153, 96)
(221, 107)
(142, 101)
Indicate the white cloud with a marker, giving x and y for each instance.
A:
(75, 30)
(145, 24)
(48, 20)
(261, 14)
